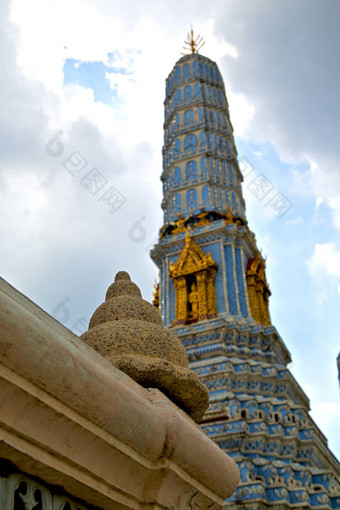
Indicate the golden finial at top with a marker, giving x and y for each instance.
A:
(191, 44)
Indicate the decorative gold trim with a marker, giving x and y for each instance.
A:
(194, 280)
(199, 220)
(258, 290)
(193, 45)
(155, 295)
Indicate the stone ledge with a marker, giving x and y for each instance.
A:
(83, 425)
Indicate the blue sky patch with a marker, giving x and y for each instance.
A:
(92, 75)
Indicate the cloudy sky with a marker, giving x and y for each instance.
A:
(82, 91)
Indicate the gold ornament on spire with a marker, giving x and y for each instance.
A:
(194, 279)
(155, 295)
(193, 45)
(258, 290)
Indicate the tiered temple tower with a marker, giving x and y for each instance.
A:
(214, 295)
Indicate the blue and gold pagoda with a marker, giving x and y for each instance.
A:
(214, 294)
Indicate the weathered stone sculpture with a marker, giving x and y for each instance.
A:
(129, 332)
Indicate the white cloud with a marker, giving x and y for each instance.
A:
(296, 221)
(324, 183)
(319, 201)
(327, 416)
(324, 268)
(241, 112)
(325, 261)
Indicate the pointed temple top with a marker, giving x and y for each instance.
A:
(192, 44)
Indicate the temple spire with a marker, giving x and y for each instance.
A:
(200, 168)
(214, 294)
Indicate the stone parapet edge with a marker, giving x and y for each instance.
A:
(59, 377)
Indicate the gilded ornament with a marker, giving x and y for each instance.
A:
(155, 295)
(199, 220)
(258, 290)
(194, 281)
